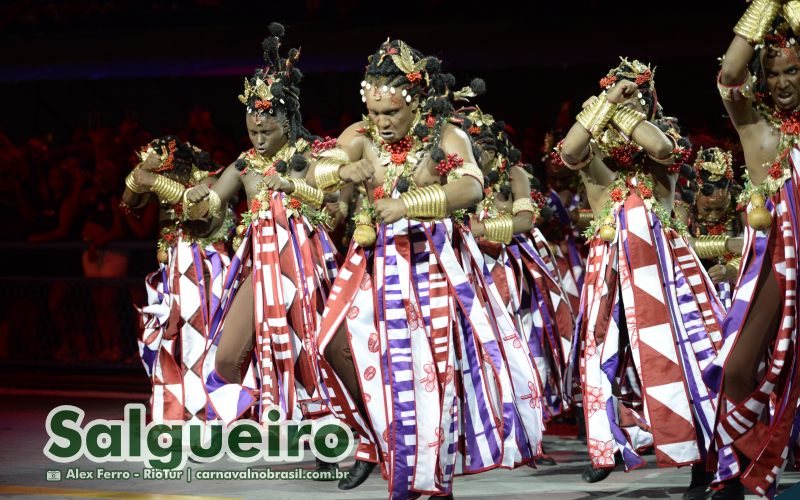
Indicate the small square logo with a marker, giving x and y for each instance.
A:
(53, 475)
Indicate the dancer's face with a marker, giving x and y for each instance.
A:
(782, 73)
(266, 132)
(712, 208)
(390, 113)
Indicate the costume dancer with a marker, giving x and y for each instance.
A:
(185, 294)
(265, 352)
(714, 225)
(648, 323)
(404, 329)
(519, 258)
(756, 427)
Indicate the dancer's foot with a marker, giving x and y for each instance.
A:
(358, 473)
(326, 471)
(545, 460)
(592, 475)
(698, 488)
(731, 490)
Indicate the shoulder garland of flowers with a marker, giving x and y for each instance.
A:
(619, 191)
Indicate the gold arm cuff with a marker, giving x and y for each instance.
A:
(585, 217)
(428, 203)
(626, 119)
(307, 194)
(595, 117)
(732, 93)
(523, 205)
(131, 184)
(756, 21)
(499, 229)
(326, 171)
(733, 264)
(168, 191)
(470, 170)
(708, 247)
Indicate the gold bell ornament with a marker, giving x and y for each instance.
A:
(608, 232)
(365, 234)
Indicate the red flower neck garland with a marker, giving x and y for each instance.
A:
(400, 149)
(452, 161)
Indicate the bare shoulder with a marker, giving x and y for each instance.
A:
(353, 139)
(454, 136)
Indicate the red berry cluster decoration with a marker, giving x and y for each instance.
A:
(607, 81)
(263, 105)
(430, 121)
(617, 195)
(320, 145)
(451, 162)
(378, 193)
(717, 229)
(168, 163)
(644, 77)
(414, 77)
(255, 206)
(776, 170)
(791, 126)
(539, 199)
(295, 203)
(399, 150)
(645, 191)
(623, 155)
(473, 130)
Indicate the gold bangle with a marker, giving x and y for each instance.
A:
(595, 117)
(499, 229)
(522, 205)
(756, 21)
(428, 203)
(326, 170)
(469, 169)
(168, 191)
(306, 193)
(710, 246)
(733, 93)
(130, 183)
(626, 119)
(585, 217)
(733, 264)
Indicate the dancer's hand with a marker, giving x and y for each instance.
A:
(152, 162)
(144, 178)
(197, 193)
(477, 228)
(622, 91)
(275, 182)
(390, 210)
(718, 273)
(358, 171)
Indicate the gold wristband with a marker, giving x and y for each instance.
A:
(214, 204)
(626, 119)
(130, 183)
(732, 93)
(791, 12)
(523, 205)
(585, 217)
(428, 203)
(168, 191)
(595, 117)
(326, 170)
(708, 247)
(307, 194)
(499, 229)
(733, 264)
(469, 169)
(756, 21)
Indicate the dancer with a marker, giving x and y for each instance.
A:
(649, 319)
(403, 327)
(756, 422)
(184, 294)
(265, 352)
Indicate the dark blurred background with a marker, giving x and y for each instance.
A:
(84, 84)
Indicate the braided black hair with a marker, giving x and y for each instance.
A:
(283, 78)
(184, 158)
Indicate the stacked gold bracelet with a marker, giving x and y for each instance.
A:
(595, 117)
(708, 247)
(732, 93)
(585, 217)
(499, 229)
(168, 191)
(733, 264)
(307, 194)
(428, 203)
(626, 119)
(326, 170)
(130, 183)
(756, 21)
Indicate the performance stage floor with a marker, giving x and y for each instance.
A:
(24, 468)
